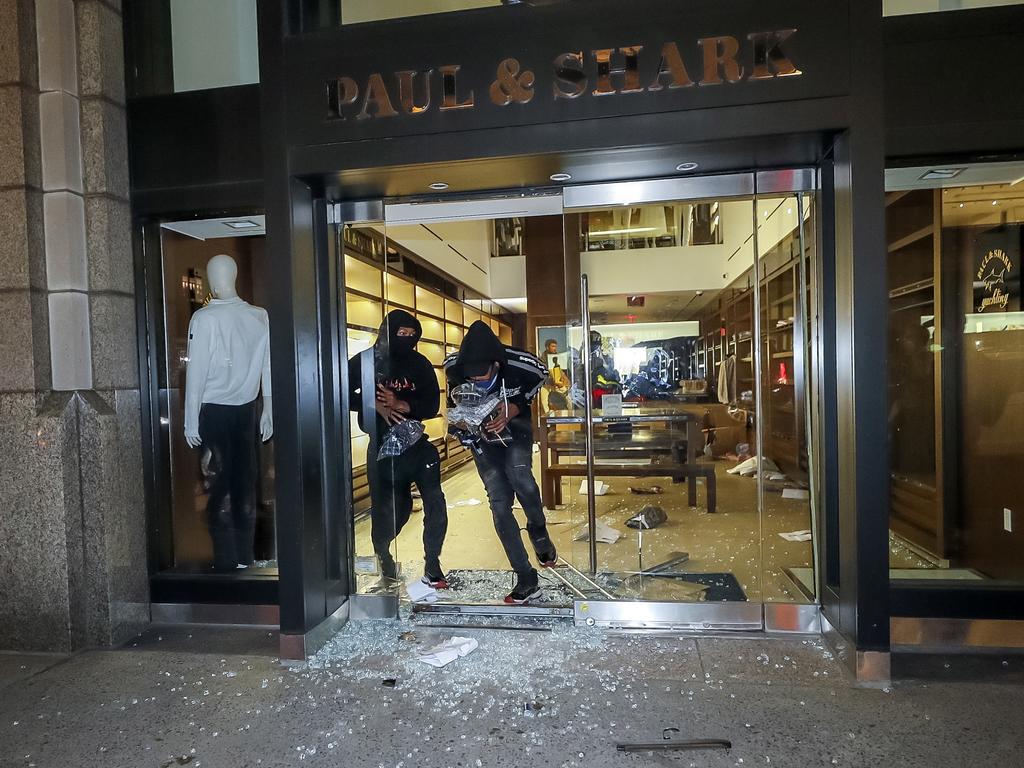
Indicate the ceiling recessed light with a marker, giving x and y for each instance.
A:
(936, 174)
(439, 186)
(561, 176)
(242, 224)
(687, 167)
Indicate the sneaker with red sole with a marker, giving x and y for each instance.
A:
(435, 578)
(527, 588)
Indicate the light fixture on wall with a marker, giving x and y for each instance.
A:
(687, 167)
(941, 174)
(439, 186)
(561, 176)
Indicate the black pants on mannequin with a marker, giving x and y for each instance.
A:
(229, 433)
(391, 496)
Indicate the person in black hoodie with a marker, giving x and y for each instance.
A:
(506, 464)
(402, 385)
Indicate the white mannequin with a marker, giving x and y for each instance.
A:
(228, 352)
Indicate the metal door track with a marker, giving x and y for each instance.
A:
(492, 609)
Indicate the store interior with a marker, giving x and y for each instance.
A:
(672, 299)
(956, 369)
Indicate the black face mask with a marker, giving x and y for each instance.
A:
(401, 345)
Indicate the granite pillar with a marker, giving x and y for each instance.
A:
(73, 569)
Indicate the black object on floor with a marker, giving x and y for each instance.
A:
(670, 745)
(721, 587)
(650, 516)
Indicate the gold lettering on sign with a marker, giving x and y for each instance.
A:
(615, 71)
(342, 92)
(630, 70)
(603, 57)
(995, 268)
(720, 56)
(407, 91)
(570, 79)
(450, 89)
(631, 84)
(671, 66)
(510, 85)
(769, 59)
(377, 97)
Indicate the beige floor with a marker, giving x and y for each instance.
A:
(733, 540)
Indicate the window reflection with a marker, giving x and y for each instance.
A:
(956, 367)
(652, 226)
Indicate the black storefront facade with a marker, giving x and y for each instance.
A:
(499, 100)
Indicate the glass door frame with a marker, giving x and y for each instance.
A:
(637, 613)
(761, 614)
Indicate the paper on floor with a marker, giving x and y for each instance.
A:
(796, 536)
(448, 651)
(600, 488)
(420, 592)
(603, 534)
(749, 468)
(466, 503)
(795, 493)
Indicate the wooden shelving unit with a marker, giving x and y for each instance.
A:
(727, 328)
(915, 273)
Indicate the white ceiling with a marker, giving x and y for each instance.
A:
(897, 179)
(212, 229)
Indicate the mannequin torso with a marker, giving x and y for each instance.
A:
(228, 352)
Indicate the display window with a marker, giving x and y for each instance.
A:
(956, 363)
(217, 414)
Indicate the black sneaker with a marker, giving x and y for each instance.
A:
(434, 577)
(389, 569)
(547, 555)
(527, 588)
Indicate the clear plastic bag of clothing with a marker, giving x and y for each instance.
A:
(400, 438)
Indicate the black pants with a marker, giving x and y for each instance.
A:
(507, 472)
(391, 496)
(229, 432)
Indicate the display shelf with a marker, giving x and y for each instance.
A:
(429, 302)
(399, 291)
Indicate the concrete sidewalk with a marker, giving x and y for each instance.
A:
(552, 696)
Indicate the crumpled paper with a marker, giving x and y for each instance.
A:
(445, 653)
(420, 592)
(603, 534)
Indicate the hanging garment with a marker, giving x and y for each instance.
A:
(727, 380)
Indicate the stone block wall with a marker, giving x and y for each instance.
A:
(73, 569)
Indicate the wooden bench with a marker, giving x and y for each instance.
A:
(674, 469)
(670, 437)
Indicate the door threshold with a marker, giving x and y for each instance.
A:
(494, 609)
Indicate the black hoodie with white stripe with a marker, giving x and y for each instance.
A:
(520, 373)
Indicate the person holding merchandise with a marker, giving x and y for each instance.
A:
(392, 387)
(501, 382)
(228, 364)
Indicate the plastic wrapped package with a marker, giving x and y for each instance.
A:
(400, 438)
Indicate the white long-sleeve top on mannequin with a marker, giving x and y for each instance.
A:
(228, 357)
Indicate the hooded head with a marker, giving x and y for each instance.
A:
(480, 350)
(394, 342)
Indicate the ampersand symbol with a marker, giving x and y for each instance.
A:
(510, 85)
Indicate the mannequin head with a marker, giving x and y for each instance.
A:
(222, 271)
